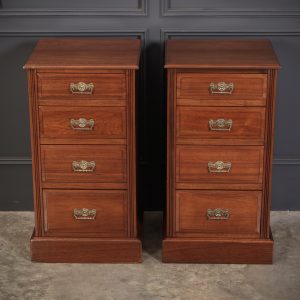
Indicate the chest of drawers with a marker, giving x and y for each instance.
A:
(82, 96)
(220, 116)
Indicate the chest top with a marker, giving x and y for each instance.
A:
(85, 53)
(213, 54)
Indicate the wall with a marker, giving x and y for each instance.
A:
(22, 23)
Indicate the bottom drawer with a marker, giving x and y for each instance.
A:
(85, 213)
(218, 213)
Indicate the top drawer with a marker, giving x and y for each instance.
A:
(221, 89)
(66, 86)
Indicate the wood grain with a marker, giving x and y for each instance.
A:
(193, 124)
(220, 53)
(110, 124)
(111, 163)
(111, 213)
(251, 65)
(269, 140)
(244, 209)
(107, 86)
(85, 250)
(171, 121)
(192, 164)
(35, 151)
(132, 154)
(85, 54)
(218, 251)
(193, 88)
(110, 64)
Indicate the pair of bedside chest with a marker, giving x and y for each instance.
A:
(220, 116)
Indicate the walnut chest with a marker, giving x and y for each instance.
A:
(220, 121)
(82, 98)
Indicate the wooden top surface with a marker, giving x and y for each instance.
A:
(85, 53)
(253, 54)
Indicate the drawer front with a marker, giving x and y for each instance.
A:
(85, 163)
(66, 86)
(85, 213)
(223, 164)
(82, 123)
(204, 213)
(209, 89)
(220, 123)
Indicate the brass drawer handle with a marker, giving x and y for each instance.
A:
(221, 88)
(82, 88)
(220, 125)
(84, 214)
(83, 166)
(219, 167)
(82, 124)
(218, 214)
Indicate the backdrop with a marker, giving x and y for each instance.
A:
(22, 23)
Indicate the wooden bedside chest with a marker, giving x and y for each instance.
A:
(82, 96)
(220, 124)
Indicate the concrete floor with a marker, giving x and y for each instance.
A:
(22, 279)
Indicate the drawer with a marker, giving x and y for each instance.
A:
(223, 164)
(218, 213)
(82, 123)
(223, 123)
(221, 89)
(84, 163)
(85, 213)
(72, 86)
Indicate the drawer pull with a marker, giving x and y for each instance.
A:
(82, 124)
(218, 214)
(84, 214)
(220, 125)
(82, 88)
(83, 166)
(221, 88)
(219, 167)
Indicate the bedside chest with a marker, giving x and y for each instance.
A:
(82, 96)
(220, 124)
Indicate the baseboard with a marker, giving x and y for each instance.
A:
(221, 251)
(85, 250)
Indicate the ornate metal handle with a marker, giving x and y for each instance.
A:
(82, 88)
(221, 88)
(219, 167)
(220, 125)
(218, 214)
(83, 166)
(82, 124)
(84, 214)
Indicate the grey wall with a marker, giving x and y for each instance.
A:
(22, 23)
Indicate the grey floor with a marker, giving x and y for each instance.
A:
(22, 279)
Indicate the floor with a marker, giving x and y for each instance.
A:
(22, 279)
